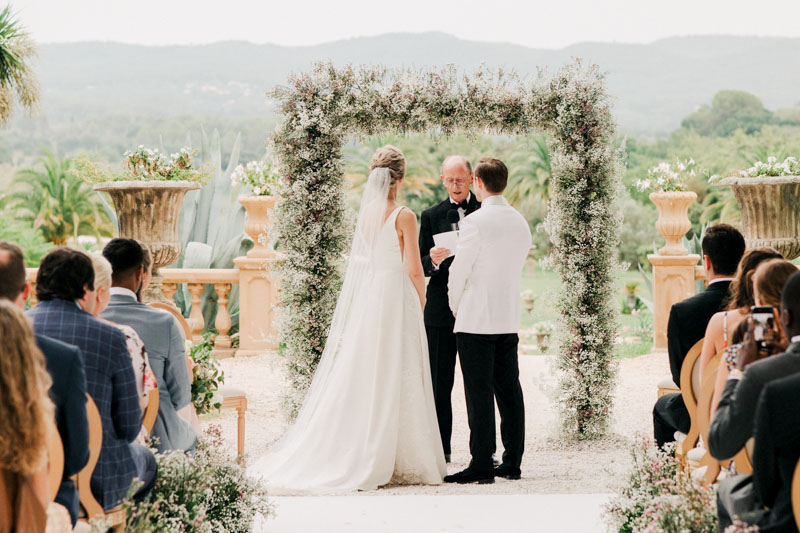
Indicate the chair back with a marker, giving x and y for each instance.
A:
(713, 466)
(796, 495)
(84, 477)
(151, 410)
(55, 462)
(690, 390)
(187, 331)
(742, 460)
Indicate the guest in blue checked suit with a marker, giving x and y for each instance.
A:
(65, 289)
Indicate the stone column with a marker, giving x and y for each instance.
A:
(258, 287)
(258, 297)
(673, 281)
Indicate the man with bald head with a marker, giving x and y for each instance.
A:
(456, 175)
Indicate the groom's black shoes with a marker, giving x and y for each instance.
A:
(508, 472)
(469, 475)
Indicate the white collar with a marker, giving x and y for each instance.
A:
(495, 199)
(796, 338)
(122, 291)
(469, 196)
(716, 280)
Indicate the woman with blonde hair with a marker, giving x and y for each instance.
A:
(27, 421)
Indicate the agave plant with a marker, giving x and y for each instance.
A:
(58, 203)
(212, 227)
(17, 80)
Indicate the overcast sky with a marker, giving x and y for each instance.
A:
(534, 23)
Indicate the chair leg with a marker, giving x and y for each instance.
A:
(240, 433)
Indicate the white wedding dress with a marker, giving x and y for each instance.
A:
(369, 418)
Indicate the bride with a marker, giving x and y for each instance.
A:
(369, 417)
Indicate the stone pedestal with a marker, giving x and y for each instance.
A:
(673, 281)
(258, 297)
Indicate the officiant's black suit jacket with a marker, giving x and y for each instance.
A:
(434, 220)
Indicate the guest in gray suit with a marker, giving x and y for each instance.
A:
(162, 338)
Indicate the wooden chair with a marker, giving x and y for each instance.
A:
(744, 465)
(667, 386)
(187, 331)
(55, 462)
(796, 495)
(690, 390)
(116, 516)
(236, 399)
(713, 466)
(150, 411)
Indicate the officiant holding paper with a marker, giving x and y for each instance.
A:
(456, 175)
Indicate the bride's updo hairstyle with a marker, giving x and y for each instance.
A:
(392, 158)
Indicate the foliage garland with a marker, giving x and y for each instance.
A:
(326, 105)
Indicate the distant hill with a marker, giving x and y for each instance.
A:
(654, 85)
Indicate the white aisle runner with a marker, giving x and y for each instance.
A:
(563, 513)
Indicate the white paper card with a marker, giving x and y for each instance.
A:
(448, 239)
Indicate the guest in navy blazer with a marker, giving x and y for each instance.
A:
(65, 289)
(68, 392)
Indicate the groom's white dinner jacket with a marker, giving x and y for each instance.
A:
(484, 278)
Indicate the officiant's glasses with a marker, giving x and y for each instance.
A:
(458, 183)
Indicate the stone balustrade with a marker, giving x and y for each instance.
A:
(256, 315)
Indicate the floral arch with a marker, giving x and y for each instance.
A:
(326, 106)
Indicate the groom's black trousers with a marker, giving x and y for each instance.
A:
(491, 371)
(442, 352)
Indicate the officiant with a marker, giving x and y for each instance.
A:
(456, 175)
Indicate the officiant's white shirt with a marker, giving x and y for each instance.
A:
(483, 288)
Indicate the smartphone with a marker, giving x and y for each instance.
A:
(764, 328)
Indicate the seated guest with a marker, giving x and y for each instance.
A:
(162, 338)
(723, 247)
(718, 331)
(65, 289)
(777, 434)
(27, 415)
(732, 424)
(65, 365)
(145, 379)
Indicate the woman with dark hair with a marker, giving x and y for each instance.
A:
(722, 324)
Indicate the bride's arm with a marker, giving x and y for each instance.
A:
(407, 226)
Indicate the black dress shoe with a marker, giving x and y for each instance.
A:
(508, 472)
(447, 458)
(470, 476)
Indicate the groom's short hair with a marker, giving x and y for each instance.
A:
(493, 173)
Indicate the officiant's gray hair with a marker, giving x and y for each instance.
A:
(456, 159)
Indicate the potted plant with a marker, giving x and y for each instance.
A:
(631, 288)
(263, 181)
(670, 194)
(147, 197)
(543, 331)
(768, 195)
(528, 299)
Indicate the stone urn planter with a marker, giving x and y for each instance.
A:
(673, 219)
(148, 211)
(770, 211)
(259, 223)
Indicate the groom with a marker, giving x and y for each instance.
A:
(484, 297)
(457, 178)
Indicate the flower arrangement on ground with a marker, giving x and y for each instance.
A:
(144, 164)
(326, 105)
(259, 176)
(667, 178)
(207, 377)
(660, 496)
(207, 492)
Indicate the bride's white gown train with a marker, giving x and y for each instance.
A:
(371, 420)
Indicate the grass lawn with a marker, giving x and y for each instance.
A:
(546, 285)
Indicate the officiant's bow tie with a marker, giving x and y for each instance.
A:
(463, 205)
